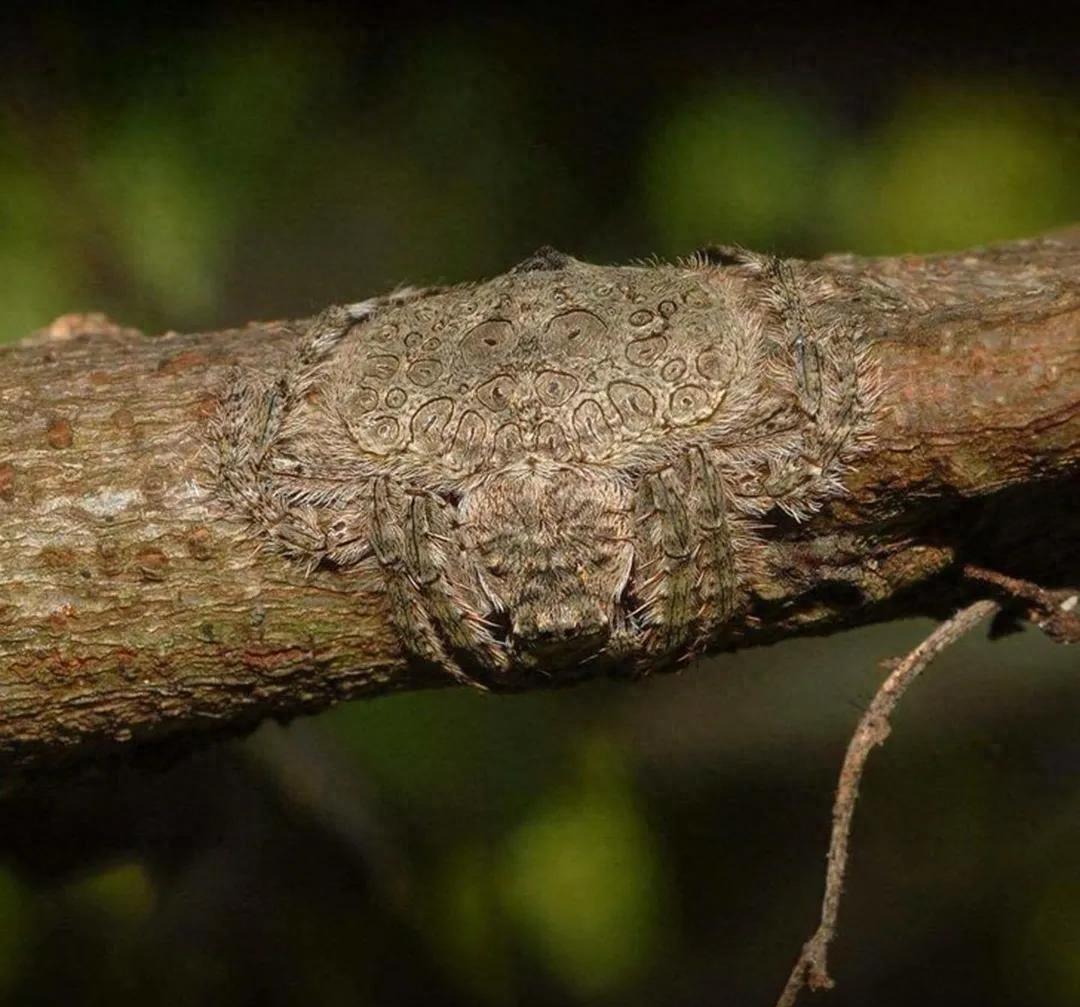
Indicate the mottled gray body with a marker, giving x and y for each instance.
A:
(563, 461)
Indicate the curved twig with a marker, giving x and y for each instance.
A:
(811, 969)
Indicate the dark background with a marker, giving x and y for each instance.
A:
(661, 842)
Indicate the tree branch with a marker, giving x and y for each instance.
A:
(133, 608)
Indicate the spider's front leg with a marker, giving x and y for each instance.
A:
(685, 570)
(433, 603)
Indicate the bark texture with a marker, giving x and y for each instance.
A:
(132, 608)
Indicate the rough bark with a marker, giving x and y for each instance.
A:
(132, 609)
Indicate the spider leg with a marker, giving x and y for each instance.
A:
(431, 604)
(668, 544)
(435, 563)
(687, 581)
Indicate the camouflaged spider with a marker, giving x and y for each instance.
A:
(565, 461)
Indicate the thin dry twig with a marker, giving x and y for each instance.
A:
(1056, 613)
(811, 968)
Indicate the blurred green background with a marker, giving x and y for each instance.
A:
(660, 842)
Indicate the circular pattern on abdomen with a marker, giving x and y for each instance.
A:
(497, 393)
(592, 428)
(576, 333)
(673, 369)
(429, 422)
(494, 339)
(425, 371)
(469, 443)
(552, 440)
(509, 443)
(362, 400)
(381, 367)
(378, 434)
(645, 352)
(715, 365)
(417, 341)
(554, 387)
(634, 403)
(689, 404)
